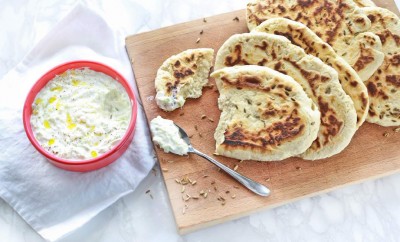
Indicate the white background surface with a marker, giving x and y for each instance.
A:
(364, 212)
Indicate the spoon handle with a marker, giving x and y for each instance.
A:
(250, 184)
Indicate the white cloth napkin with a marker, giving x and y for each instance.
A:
(51, 200)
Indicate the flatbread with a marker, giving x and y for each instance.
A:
(302, 36)
(384, 85)
(320, 82)
(182, 76)
(338, 23)
(266, 116)
(364, 3)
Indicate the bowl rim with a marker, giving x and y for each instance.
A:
(47, 77)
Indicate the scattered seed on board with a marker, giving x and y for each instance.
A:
(185, 181)
(212, 182)
(194, 183)
(181, 114)
(233, 196)
(164, 169)
(211, 120)
(203, 116)
(205, 176)
(298, 168)
(236, 19)
(396, 129)
(186, 197)
(183, 189)
(198, 40)
(204, 20)
(236, 167)
(147, 191)
(196, 128)
(201, 32)
(386, 134)
(201, 135)
(170, 161)
(267, 179)
(184, 208)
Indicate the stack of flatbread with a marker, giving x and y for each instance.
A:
(365, 36)
(305, 78)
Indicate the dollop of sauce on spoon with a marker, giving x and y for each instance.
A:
(167, 136)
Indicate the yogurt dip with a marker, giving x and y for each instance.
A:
(167, 136)
(80, 114)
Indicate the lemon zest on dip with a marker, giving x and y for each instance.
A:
(51, 141)
(93, 153)
(56, 88)
(52, 99)
(46, 124)
(38, 101)
(70, 123)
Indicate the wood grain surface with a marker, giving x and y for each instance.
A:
(371, 154)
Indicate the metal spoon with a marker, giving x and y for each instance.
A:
(250, 184)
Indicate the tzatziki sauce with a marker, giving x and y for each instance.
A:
(80, 114)
(167, 136)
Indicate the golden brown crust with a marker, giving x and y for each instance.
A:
(313, 13)
(182, 76)
(320, 82)
(264, 139)
(384, 85)
(286, 129)
(265, 115)
(336, 22)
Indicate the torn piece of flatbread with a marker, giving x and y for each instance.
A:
(183, 76)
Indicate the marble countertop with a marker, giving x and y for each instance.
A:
(363, 212)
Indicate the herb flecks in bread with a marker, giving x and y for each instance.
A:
(320, 82)
(342, 24)
(266, 116)
(302, 36)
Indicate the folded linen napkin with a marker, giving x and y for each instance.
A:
(53, 201)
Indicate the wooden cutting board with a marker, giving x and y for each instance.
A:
(211, 196)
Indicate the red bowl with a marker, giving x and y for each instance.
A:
(89, 164)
